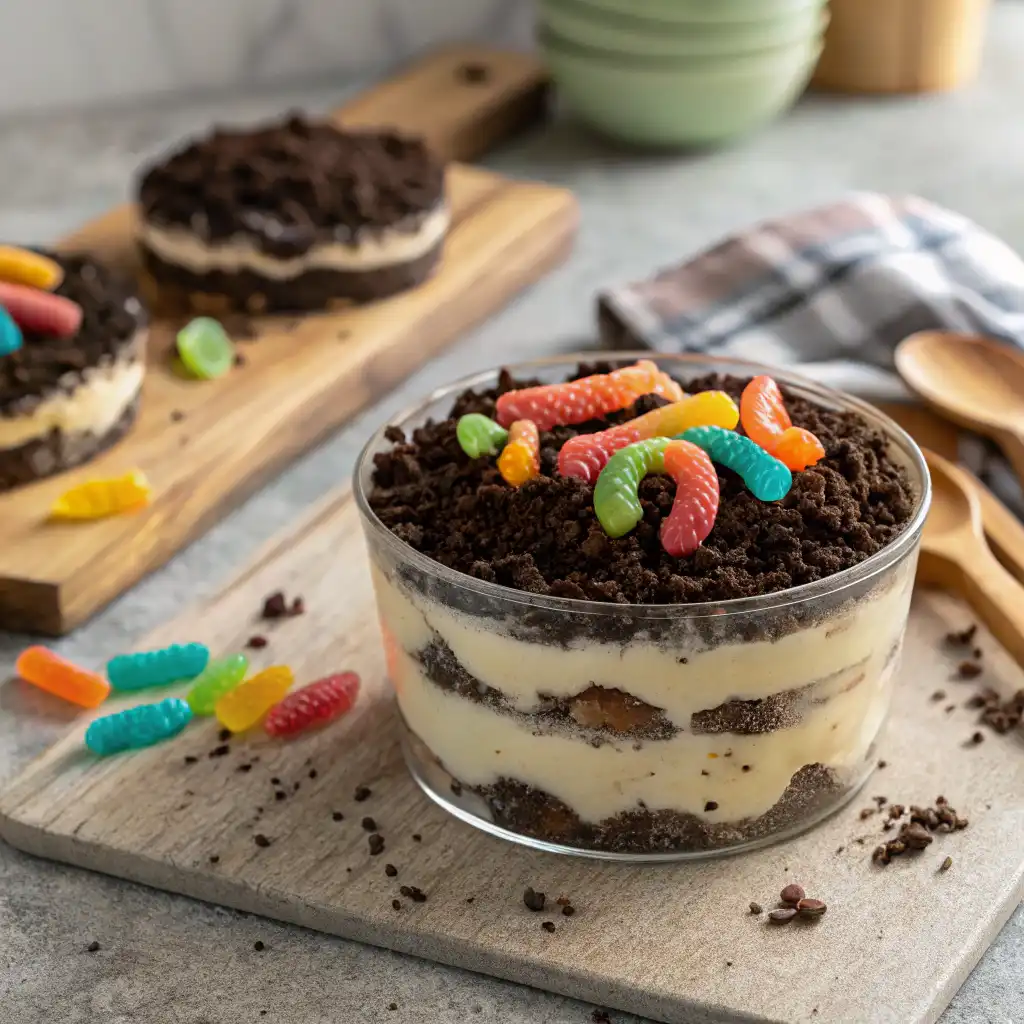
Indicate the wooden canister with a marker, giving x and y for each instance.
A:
(894, 46)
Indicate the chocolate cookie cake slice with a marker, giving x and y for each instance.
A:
(297, 215)
(65, 399)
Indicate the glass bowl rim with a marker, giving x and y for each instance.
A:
(891, 554)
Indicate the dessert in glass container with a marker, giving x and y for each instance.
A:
(571, 684)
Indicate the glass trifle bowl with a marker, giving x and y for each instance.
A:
(622, 729)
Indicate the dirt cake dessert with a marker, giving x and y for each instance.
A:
(689, 679)
(65, 397)
(297, 215)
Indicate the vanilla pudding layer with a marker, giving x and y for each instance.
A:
(94, 404)
(839, 669)
(370, 251)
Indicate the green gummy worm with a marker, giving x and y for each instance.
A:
(615, 494)
(219, 677)
(478, 435)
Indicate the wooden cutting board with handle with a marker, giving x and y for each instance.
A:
(206, 445)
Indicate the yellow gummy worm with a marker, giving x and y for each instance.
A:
(21, 266)
(98, 498)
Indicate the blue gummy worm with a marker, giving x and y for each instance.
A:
(157, 668)
(766, 477)
(141, 726)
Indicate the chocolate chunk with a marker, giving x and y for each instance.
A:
(792, 893)
(376, 843)
(274, 606)
(534, 900)
(963, 637)
(811, 908)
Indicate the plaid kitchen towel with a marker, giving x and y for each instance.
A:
(831, 290)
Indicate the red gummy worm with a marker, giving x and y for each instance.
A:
(34, 310)
(315, 704)
(696, 503)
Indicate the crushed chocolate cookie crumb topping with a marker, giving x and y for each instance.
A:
(544, 537)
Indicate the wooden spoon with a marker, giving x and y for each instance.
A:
(955, 555)
(974, 381)
(1003, 530)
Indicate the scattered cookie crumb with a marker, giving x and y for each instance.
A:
(390, 870)
(93, 947)
(261, 840)
(258, 946)
(414, 893)
(362, 793)
(177, 415)
(756, 908)
(548, 926)
(534, 900)
(369, 824)
(376, 843)
(337, 816)
(214, 858)
(256, 642)
(969, 670)
(963, 637)
(946, 864)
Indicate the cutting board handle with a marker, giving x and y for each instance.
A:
(463, 99)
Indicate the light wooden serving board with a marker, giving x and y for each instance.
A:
(304, 376)
(671, 942)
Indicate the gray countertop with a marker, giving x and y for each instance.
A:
(169, 959)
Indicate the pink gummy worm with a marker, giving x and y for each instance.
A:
(577, 401)
(42, 312)
(696, 502)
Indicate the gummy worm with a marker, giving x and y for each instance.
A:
(765, 476)
(520, 461)
(586, 455)
(617, 503)
(576, 401)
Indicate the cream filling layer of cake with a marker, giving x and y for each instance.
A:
(94, 405)
(374, 250)
(680, 681)
(480, 746)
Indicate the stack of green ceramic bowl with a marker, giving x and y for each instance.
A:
(680, 72)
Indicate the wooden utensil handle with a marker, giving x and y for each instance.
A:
(1004, 530)
(1012, 444)
(996, 598)
(463, 100)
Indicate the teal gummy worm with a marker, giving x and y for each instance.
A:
(615, 499)
(766, 477)
(137, 727)
(478, 435)
(157, 668)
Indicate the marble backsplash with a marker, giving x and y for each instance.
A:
(74, 53)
